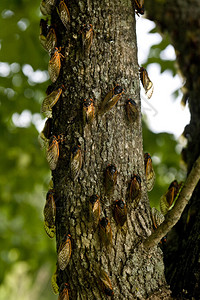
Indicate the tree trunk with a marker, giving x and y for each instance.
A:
(109, 139)
(181, 20)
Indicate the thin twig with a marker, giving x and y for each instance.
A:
(174, 214)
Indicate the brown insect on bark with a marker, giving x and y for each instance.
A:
(132, 110)
(105, 231)
(88, 111)
(87, 37)
(64, 252)
(75, 161)
(47, 6)
(52, 153)
(146, 82)
(64, 13)
(64, 292)
(106, 283)
(110, 178)
(55, 64)
(120, 212)
(50, 101)
(168, 200)
(149, 171)
(111, 99)
(50, 214)
(94, 209)
(46, 133)
(139, 7)
(135, 190)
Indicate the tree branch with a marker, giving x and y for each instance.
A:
(174, 214)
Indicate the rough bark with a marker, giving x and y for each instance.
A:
(110, 139)
(181, 20)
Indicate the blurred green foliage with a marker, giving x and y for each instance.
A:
(27, 255)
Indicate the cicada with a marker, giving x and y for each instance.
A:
(120, 212)
(169, 198)
(55, 64)
(94, 209)
(88, 111)
(47, 37)
(87, 37)
(106, 283)
(105, 231)
(139, 6)
(135, 190)
(52, 153)
(46, 133)
(75, 161)
(50, 214)
(149, 171)
(146, 82)
(47, 6)
(110, 178)
(64, 13)
(64, 252)
(132, 110)
(44, 28)
(111, 98)
(157, 218)
(64, 292)
(54, 282)
(50, 101)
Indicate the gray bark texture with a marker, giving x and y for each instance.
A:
(181, 20)
(110, 139)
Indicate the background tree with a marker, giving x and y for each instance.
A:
(22, 88)
(183, 244)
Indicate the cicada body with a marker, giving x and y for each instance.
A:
(48, 128)
(105, 231)
(64, 292)
(44, 28)
(76, 161)
(46, 133)
(111, 98)
(169, 198)
(64, 13)
(146, 82)
(51, 40)
(88, 111)
(54, 282)
(120, 212)
(135, 190)
(50, 101)
(52, 153)
(50, 214)
(157, 217)
(94, 209)
(110, 178)
(139, 6)
(132, 110)
(64, 253)
(47, 6)
(87, 37)
(55, 64)
(106, 283)
(149, 172)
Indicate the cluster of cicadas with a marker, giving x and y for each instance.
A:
(98, 218)
(52, 143)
